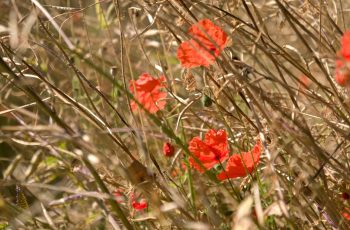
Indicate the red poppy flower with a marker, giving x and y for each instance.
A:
(342, 70)
(207, 43)
(168, 149)
(209, 35)
(345, 46)
(342, 73)
(211, 151)
(235, 167)
(191, 54)
(138, 205)
(148, 93)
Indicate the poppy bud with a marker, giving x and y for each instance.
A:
(206, 101)
(345, 196)
(168, 149)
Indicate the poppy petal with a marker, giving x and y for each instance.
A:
(209, 35)
(191, 54)
(148, 93)
(211, 151)
(139, 205)
(239, 167)
(345, 42)
(207, 43)
(342, 73)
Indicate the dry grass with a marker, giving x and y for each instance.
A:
(68, 137)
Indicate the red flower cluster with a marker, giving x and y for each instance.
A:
(211, 151)
(168, 149)
(214, 149)
(238, 166)
(147, 90)
(342, 68)
(137, 203)
(207, 43)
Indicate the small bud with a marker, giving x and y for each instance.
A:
(206, 101)
(168, 149)
(345, 196)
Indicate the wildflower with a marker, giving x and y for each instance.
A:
(207, 43)
(211, 151)
(206, 32)
(148, 93)
(342, 70)
(138, 205)
(168, 149)
(346, 213)
(235, 167)
(191, 54)
(345, 46)
(342, 73)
